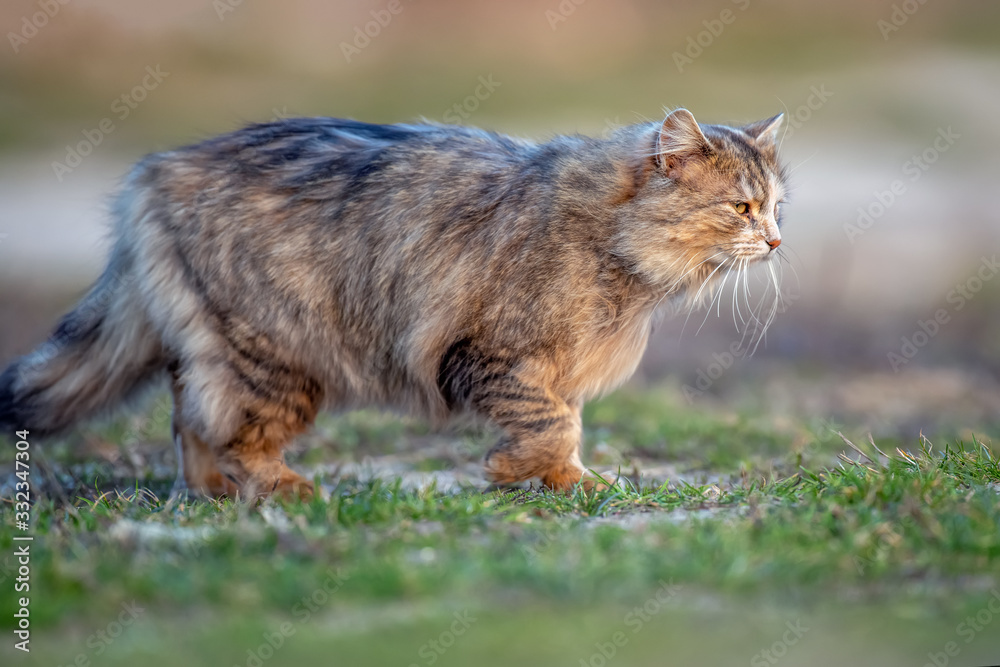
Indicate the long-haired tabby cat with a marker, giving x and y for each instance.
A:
(311, 264)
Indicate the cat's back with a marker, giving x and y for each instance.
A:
(300, 152)
(318, 187)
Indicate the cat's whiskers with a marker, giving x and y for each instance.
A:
(752, 323)
(677, 282)
(717, 297)
(722, 288)
(757, 321)
(736, 293)
(746, 289)
(772, 313)
(784, 256)
(694, 301)
(754, 328)
(736, 288)
(746, 293)
(774, 279)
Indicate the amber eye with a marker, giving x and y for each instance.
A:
(742, 208)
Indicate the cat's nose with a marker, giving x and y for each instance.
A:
(774, 243)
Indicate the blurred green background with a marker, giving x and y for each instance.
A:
(867, 87)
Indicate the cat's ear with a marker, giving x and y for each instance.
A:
(680, 141)
(767, 131)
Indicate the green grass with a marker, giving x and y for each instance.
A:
(647, 425)
(892, 550)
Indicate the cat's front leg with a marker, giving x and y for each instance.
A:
(541, 437)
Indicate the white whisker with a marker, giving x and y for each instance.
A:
(736, 287)
(718, 296)
(762, 337)
(736, 294)
(678, 281)
(784, 256)
(698, 293)
(722, 288)
(774, 278)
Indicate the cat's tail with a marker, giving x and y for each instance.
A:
(100, 353)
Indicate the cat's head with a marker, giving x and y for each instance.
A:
(709, 201)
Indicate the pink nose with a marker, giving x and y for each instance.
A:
(774, 243)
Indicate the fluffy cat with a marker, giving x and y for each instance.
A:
(310, 264)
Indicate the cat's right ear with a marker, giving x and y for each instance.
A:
(680, 141)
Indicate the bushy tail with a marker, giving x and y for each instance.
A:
(101, 352)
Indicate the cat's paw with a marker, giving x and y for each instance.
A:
(292, 485)
(593, 484)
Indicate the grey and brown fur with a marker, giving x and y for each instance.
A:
(311, 264)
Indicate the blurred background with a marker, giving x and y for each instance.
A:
(892, 139)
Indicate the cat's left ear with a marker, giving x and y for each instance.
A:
(767, 131)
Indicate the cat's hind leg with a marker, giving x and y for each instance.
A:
(197, 468)
(254, 456)
(270, 410)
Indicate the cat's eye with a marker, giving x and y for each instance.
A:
(742, 207)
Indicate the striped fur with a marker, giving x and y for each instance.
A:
(311, 264)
